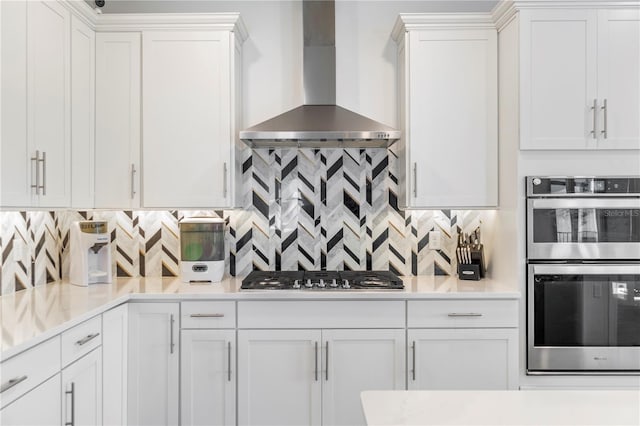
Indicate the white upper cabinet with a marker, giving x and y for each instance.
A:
(619, 78)
(189, 120)
(117, 163)
(48, 105)
(447, 70)
(83, 59)
(36, 113)
(579, 79)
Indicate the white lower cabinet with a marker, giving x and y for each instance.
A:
(114, 364)
(82, 391)
(153, 364)
(314, 377)
(208, 377)
(39, 407)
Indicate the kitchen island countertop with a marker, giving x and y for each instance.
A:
(31, 316)
(472, 408)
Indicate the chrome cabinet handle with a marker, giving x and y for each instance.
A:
(413, 360)
(604, 110)
(464, 314)
(224, 180)
(415, 180)
(316, 363)
(44, 173)
(594, 108)
(171, 345)
(37, 161)
(133, 173)
(73, 403)
(86, 339)
(11, 383)
(207, 315)
(326, 373)
(229, 360)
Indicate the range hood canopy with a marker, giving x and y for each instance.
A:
(319, 123)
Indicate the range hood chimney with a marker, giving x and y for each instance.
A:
(319, 123)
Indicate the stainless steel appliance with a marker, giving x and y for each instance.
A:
(322, 280)
(583, 277)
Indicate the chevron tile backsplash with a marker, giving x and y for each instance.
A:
(302, 209)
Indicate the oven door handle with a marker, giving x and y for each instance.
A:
(585, 203)
(590, 269)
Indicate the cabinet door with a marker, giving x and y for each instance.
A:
(83, 60)
(153, 363)
(15, 164)
(453, 118)
(186, 118)
(619, 79)
(354, 361)
(48, 94)
(558, 79)
(279, 377)
(208, 377)
(462, 359)
(82, 390)
(114, 362)
(39, 407)
(117, 162)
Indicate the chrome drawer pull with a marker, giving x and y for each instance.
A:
(468, 314)
(86, 339)
(11, 383)
(207, 315)
(73, 405)
(229, 360)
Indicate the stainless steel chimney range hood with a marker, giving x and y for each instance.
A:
(319, 123)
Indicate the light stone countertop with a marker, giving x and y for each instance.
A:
(31, 316)
(473, 408)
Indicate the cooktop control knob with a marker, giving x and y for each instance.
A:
(334, 283)
(345, 284)
(321, 284)
(296, 284)
(308, 284)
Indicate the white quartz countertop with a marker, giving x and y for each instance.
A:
(34, 315)
(471, 408)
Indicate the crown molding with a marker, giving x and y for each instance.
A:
(82, 11)
(505, 10)
(416, 21)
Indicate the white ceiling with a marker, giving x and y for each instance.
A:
(194, 6)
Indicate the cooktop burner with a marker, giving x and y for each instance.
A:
(322, 280)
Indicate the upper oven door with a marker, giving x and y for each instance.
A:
(583, 228)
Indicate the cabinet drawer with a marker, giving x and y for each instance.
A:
(25, 371)
(321, 314)
(208, 314)
(462, 313)
(81, 339)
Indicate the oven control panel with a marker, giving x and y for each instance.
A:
(550, 186)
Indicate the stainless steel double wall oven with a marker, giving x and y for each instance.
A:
(583, 280)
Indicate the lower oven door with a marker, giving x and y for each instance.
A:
(583, 318)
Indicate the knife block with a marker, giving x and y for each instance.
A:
(474, 270)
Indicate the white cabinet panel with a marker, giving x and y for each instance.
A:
(114, 361)
(153, 363)
(48, 93)
(117, 163)
(448, 114)
(15, 166)
(558, 81)
(462, 359)
(82, 391)
(279, 377)
(208, 377)
(186, 118)
(83, 59)
(619, 78)
(354, 361)
(39, 407)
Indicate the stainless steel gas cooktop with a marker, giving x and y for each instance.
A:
(322, 280)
